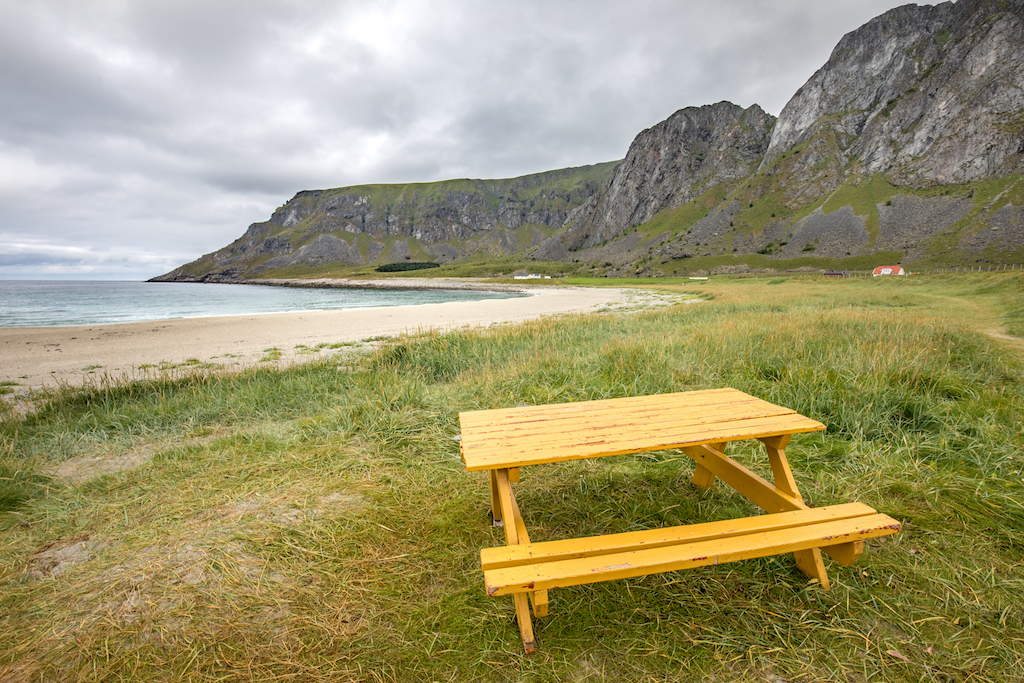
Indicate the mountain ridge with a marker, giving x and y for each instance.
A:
(907, 144)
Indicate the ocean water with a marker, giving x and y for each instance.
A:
(41, 303)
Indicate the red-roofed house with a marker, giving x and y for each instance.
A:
(888, 270)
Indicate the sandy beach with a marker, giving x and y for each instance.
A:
(34, 357)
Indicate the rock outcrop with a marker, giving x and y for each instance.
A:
(930, 95)
(670, 164)
(440, 222)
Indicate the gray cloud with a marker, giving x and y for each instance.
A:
(135, 136)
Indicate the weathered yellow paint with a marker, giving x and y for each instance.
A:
(784, 480)
(525, 625)
(532, 435)
(516, 534)
(495, 499)
(756, 489)
(703, 477)
(572, 572)
(550, 551)
(513, 523)
(810, 565)
(508, 502)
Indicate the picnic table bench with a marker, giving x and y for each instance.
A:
(700, 423)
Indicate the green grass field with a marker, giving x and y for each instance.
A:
(316, 523)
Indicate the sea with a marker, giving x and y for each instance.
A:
(43, 303)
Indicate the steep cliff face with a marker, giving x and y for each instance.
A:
(908, 144)
(427, 221)
(926, 95)
(670, 164)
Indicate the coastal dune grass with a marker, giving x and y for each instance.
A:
(316, 523)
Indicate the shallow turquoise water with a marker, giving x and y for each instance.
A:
(40, 303)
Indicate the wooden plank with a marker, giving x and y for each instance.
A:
(548, 575)
(807, 561)
(558, 420)
(614, 404)
(525, 625)
(522, 604)
(754, 488)
(576, 419)
(569, 428)
(810, 565)
(761, 492)
(781, 472)
(575, 447)
(496, 518)
(507, 503)
(568, 433)
(539, 599)
(702, 477)
(551, 551)
(629, 438)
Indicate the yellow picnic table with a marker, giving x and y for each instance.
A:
(700, 423)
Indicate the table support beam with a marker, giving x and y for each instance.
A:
(759, 491)
(775, 447)
(807, 561)
(704, 478)
(772, 498)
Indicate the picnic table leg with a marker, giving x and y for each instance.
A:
(807, 561)
(704, 478)
(515, 533)
(539, 599)
(496, 519)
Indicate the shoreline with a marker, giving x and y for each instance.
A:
(399, 283)
(48, 357)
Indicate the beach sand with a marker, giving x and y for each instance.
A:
(35, 357)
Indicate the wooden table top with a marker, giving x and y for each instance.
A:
(531, 435)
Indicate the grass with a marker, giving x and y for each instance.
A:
(315, 522)
(859, 262)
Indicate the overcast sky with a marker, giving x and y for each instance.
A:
(137, 135)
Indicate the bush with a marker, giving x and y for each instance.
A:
(407, 265)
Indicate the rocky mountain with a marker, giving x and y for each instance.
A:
(925, 95)
(907, 145)
(441, 222)
(672, 163)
